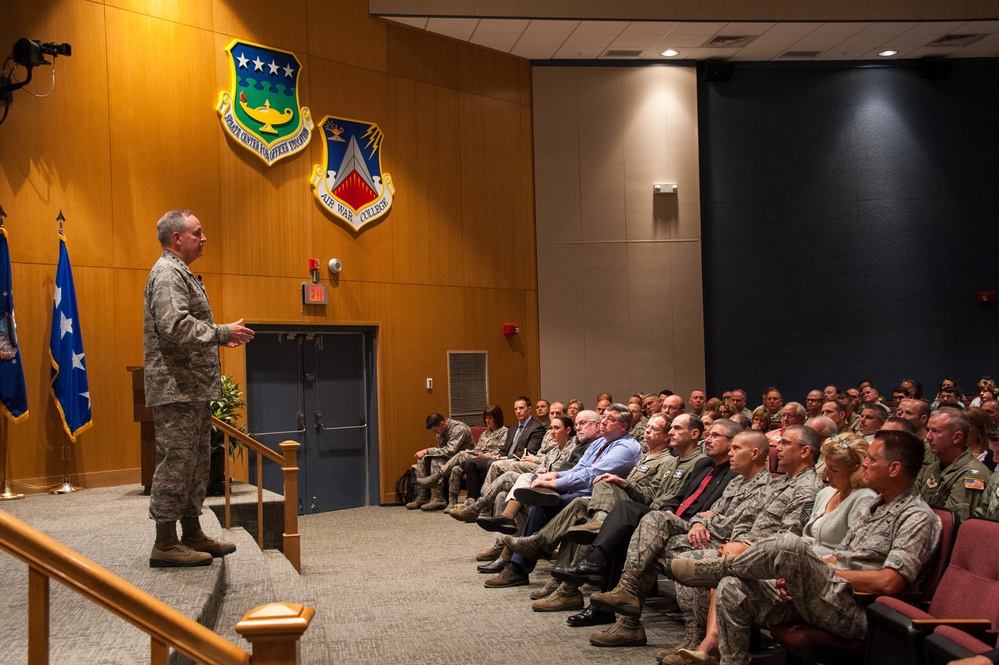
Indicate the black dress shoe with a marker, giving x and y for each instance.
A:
(493, 566)
(591, 616)
(498, 524)
(537, 496)
(582, 573)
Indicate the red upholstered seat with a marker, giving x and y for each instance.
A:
(948, 643)
(477, 432)
(968, 590)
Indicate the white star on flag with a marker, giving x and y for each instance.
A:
(78, 361)
(87, 396)
(58, 296)
(288, 71)
(274, 67)
(258, 64)
(242, 61)
(65, 325)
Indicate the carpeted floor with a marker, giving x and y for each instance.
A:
(389, 586)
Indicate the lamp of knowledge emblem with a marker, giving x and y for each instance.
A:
(261, 110)
(350, 183)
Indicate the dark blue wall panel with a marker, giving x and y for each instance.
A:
(849, 218)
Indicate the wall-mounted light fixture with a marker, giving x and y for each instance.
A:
(664, 188)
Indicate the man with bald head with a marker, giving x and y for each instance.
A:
(813, 403)
(673, 406)
(696, 402)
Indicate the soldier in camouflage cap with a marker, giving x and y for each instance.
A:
(181, 362)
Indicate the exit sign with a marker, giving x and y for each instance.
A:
(314, 294)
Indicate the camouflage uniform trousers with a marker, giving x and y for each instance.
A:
(453, 470)
(183, 453)
(659, 538)
(694, 603)
(819, 596)
(501, 466)
(491, 492)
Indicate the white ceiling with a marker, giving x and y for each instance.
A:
(547, 39)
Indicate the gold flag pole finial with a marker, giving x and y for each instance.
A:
(60, 219)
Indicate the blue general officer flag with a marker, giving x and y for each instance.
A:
(69, 371)
(13, 395)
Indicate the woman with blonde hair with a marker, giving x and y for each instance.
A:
(838, 506)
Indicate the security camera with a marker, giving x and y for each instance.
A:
(336, 265)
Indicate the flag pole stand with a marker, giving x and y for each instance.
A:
(66, 487)
(7, 495)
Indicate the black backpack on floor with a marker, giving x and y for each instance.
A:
(405, 487)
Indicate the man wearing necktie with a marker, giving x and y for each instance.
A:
(525, 437)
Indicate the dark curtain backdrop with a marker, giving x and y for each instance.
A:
(849, 220)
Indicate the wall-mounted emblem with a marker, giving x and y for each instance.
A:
(350, 183)
(261, 110)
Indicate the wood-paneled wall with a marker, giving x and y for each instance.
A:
(131, 131)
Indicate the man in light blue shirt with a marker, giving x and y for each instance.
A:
(615, 452)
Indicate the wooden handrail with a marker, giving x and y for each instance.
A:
(291, 539)
(48, 558)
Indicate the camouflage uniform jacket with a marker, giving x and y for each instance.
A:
(179, 336)
(901, 535)
(555, 459)
(739, 498)
(637, 431)
(490, 443)
(958, 487)
(785, 506)
(989, 505)
(456, 437)
(674, 474)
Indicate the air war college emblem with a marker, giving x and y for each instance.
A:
(261, 111)
(350, 184)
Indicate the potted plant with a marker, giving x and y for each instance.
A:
(224, 409)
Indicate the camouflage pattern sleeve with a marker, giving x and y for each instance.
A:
(456, 437)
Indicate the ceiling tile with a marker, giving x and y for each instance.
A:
(457, 28)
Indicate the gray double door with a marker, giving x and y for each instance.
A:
(315, 385)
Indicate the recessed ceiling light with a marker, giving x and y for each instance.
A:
(669, 53)
(887, 54)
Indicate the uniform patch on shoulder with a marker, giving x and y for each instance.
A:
(974, 484)
(678, 474)
(643, 468)
(931, 482)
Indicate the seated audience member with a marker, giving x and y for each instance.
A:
(573, 407)
(696, 402)
(989, 505)
(761, 419)
(948, 394)
(872, 417)
(813, 403)
(489, 443)
(562, 433)
(956, 480)
(782, 579)
(453, 436)
(587, 428)
(738, 398)
(836, 412)
(655, 468)
(825, 429)
(917, 412)
(837, 508)
(650, 405)
(899, 424)
(712, 404)
(978, 427)
(987, 390)
(709, 417)
(851, 402)
(773, 401)
(673, 406)
(525, 436)
(791, 413)
(830, 394)
(784, 506)
(991, 407)
(638, 422)
(898, 393)
(615, 453)
(541, 409)
(913, 388)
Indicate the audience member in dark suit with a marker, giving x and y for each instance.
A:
(523, 437)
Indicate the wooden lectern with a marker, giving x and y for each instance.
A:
(143, 415)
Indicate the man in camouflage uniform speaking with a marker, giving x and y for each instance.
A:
(181, 362)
